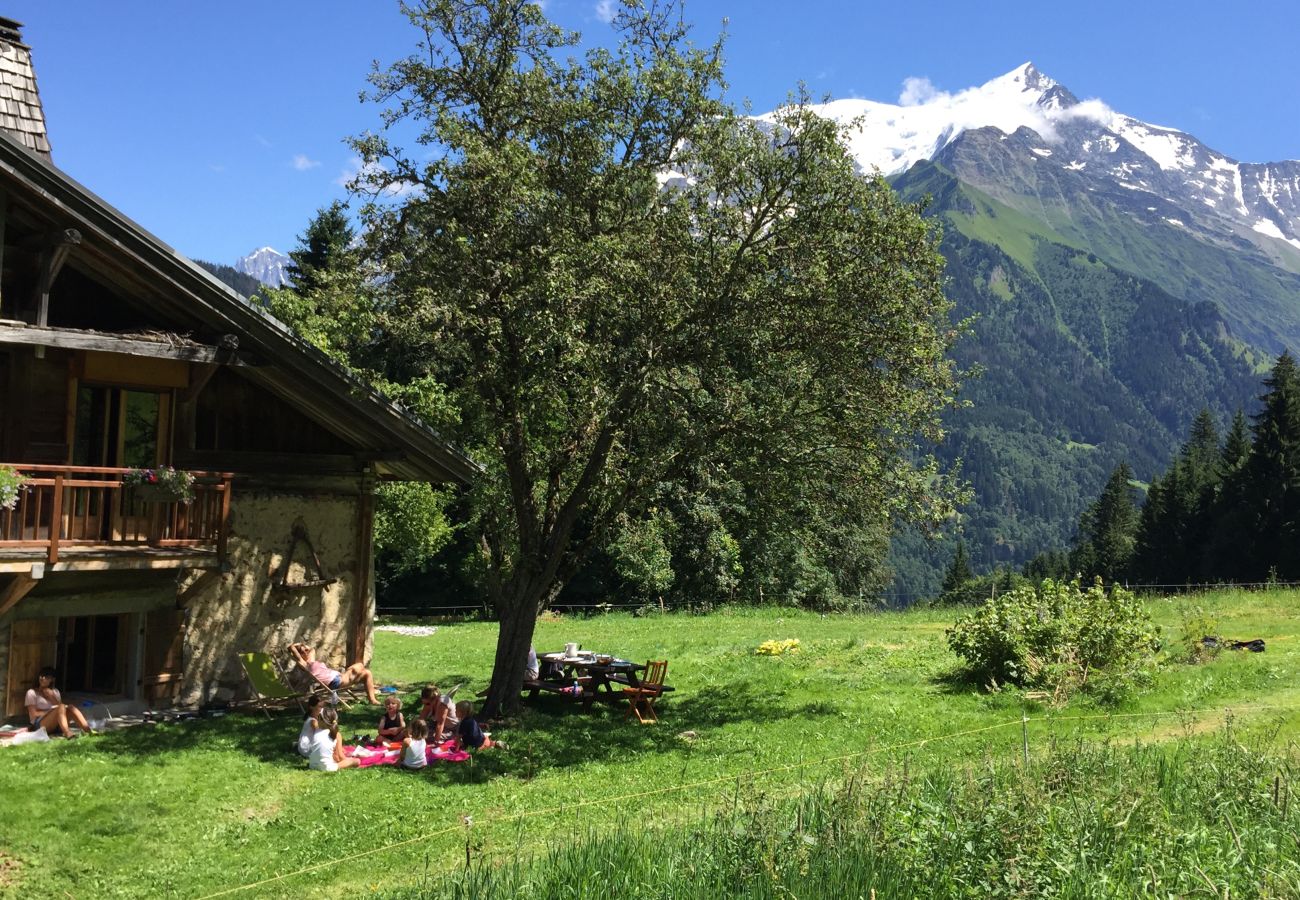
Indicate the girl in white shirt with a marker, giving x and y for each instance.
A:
(46, 709)
(326, 751)
(414, 744)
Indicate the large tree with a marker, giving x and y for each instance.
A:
(624, 281)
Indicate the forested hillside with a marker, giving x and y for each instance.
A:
(1077, 367)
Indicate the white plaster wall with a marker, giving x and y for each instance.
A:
(240, 611)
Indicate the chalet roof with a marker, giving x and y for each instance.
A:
(20, 103)
(183, 293)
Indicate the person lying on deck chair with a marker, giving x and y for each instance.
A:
(305, 656)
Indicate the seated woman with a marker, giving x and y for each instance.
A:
(439, 711)
(46, 709)
(305, 656)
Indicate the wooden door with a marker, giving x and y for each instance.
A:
(33, 643)
(164, 640)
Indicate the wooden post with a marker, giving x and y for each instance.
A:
(1024, 737)
(56, 518)
(361, 577)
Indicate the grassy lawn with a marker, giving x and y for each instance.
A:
(197, 808)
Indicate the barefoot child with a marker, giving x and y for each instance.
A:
(413, 746)
(392, 725)
(326, 753)
(469, 735)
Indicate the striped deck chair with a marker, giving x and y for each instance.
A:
(269, 688)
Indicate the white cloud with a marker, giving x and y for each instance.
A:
(302, 162)
(917, 91)
(605, 10)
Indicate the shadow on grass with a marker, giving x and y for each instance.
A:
(552, 732)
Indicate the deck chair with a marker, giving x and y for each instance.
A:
(269, 688)
(641, 699)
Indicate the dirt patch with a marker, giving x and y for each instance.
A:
(11, 870)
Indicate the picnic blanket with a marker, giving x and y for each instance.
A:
(382, 756)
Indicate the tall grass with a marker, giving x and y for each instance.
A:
(1209, 817)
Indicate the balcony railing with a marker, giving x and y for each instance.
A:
(91, 507)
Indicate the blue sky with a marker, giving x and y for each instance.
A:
(219, 126)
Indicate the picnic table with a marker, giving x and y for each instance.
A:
(598, 676)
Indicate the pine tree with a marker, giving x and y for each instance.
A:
(1272, 475)
(1108, 529)
(959, 570)
(326, 246)
(1232, 521)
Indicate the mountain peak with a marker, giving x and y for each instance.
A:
(267, 265)
(1024, 79)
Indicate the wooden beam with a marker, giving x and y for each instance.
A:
(54, 254)
(78, 339)
(19, 588)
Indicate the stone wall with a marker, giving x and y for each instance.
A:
(240, 610)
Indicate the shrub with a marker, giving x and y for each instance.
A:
(1197, 624)
(1057, 638)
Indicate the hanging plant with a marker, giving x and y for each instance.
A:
(12, 486)
(161, 485)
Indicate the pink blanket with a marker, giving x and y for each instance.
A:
(444, 752)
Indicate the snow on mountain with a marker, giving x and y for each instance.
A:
(1086, 138)
(267, 265)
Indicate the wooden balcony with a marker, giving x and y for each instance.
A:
(87, 514)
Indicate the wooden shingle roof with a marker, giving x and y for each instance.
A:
(20, 103)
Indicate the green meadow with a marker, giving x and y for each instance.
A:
(858, 761)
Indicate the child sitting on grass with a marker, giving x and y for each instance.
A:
(469, 734)
(326, 753)
(413, 745)
(309, 726)
(392, 725)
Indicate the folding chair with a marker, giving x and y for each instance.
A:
(641, 699)
(269, 687)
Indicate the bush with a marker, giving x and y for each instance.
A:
(1197, 624)
(1058, 638)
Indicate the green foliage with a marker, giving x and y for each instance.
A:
(959, 571)
(641, 553)
(11, 487)
(410, 526)
(605, 333)
(1059, 638)
(326, 247)
(1197, 623)
(1108, 530)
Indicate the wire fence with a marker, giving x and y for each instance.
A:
(484, 611)
(466, 822)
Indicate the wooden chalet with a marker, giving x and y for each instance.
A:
(117, 354)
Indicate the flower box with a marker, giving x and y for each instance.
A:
(161, 485)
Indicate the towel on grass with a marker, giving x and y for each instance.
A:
(444, 752)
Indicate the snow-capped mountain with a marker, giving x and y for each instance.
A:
(1045, 123)
(267, 265)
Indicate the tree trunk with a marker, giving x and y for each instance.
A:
(514, 636)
